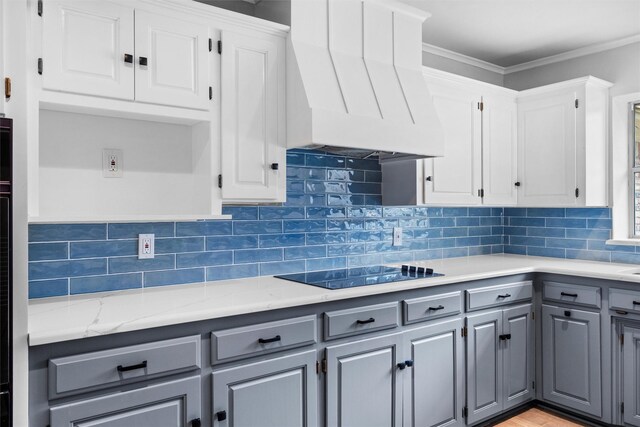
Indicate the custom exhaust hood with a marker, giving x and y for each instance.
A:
(355, 82)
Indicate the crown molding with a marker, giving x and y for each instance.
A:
(576, 53)
(459, 57)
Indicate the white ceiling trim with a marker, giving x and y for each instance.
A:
(449, 54)
(583, 51)
(587, 50)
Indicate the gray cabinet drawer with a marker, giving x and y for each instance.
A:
(360, 320)
(492, 296)
(588, 296)
(624, 299)
(83, 372)
(434, 307)
(247, 341)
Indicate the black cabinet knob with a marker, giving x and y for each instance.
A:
(429, 178)
(143, 61)
(409, 363)
(275, 166)
(401, 365)
(128, 58)
(221, 415)
(567, 313)
(517, 184)
(196, 422)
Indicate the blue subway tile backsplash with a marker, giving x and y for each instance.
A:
(333, 218)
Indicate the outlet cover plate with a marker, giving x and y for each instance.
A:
(146, 246)
(112, 163)
(397, 236)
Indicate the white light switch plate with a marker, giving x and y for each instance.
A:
(146, 246)
(397, 236)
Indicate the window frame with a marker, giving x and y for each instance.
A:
(634, 109)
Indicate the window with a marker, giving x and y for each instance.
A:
(634, 183)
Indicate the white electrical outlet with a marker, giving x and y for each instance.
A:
(397, 236)
(112, 161)
(146, 246)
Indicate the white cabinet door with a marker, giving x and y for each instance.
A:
(177, 61)
(547, 150)
(84, 48)
(253, 137)
(455, 178)
(499, 151)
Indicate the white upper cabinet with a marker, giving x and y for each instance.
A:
(86, 46)
(91, 48)
(253, 118)
(562, 156)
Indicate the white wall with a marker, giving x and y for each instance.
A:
(620, 66)
(461, 69)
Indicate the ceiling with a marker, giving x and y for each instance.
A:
(512, 32)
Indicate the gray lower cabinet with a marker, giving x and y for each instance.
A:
(571, 371)
(434, 388)
(280, 392)
(364, 383)
(169, 404)
(500, 361)
(631, 375)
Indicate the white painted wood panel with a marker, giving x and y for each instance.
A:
(83, 48)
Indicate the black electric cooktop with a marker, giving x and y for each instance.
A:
(361, 276)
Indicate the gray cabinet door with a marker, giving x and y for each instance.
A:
(364, 384)
(434, 388)
(170, 404)
(518, 355)
(571, 359)
(279, 392)
(631, 376)
(484, 366)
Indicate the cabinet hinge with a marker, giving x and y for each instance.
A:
(577, 103)
(621, 339)
(577, 192)
(317, 366)
(40, 66)
(533, 385)
(210, 93)
(481, 105)
(39, 7)
(220, 181)
(481, 192)
(324, 366)
(463, 332)
(210, 45)
(622, 407)
(465, 412)
(533, 315)
(220, 47)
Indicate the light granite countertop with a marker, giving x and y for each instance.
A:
(81, 316)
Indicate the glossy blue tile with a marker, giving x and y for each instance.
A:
(413, 222)
(625, 258)
(112, 282)
(364, 260)
(455, 232)
(345, 225)
(173, 277)
(480, 231)
(326, 238)
(566, 243)
(462, 212)
(60, 269)
(467, 241)
(366, 236)
(426, 255)
(49, 288)
(131, 231)
(233, 272)
(306, 173)
(321, 264)
(526, 241)
(347, 249)
(66, 232)
(397, 212)
(275, 212)
(397, 257)
(530, 222)
(203, 228)
(416, 245)
(363, 164)
(545, 232)
(305, 200)
(479, 211)
(48, 251)
(296, 159)
(105, 248)
(491, 220)
(373, 176)
(322, 187)
(245, 256)
(546, 212)
(293, 187)
(323, 213)
(304, 225)
(344, 200)
(515, 212)
(517, 250)
(372, 200)
(133, 264)
(442, 243)
(241, 212)
(217, 243)
(380, 224)
(305, 252)
(433, 212)
(497, 211)
(565, 222)
(364, 212)
(547, 252)
(376, 247)
(491, 240)
(588, 213)
(589, 255)
(178, 245)
(364, 188)
(455, 252)
(497, 249)
(479, 250)
(285, 267)
(588, 233)
(325, 161)
(467, 221)
(345, 175)
(257, 227)
(497, 230)
(600, 245)
(204, 259)
(281, 240)
(442, 222)
(431, 233)
(515, 231)
(601, 223)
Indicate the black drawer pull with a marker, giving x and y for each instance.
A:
(196, 422)
(505, 337)
(567, 294)
(142, 365)
(128, 58)
(268, 340)
(401, 365)
(636, 303)
(143, 61)
(275, 166)
(221, 415)
(440, 307)
(409, 363)
(504, 296)
(364, 322)
(517, 184)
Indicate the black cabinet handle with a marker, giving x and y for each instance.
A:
(504, 337)
(567, 294)
(401, 365)
(504, 296)
(364, 322)
(440, 307)
(567, 313)
(636, 303)
(221, 415)
(517, 184)
(409, 363)
(128, 58)
(268, 340)
(196, 422)
(275, 166)
(428, 178)
(143, 61)
(142, 365)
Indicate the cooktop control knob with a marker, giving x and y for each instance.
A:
(405, 267)
(412, 269)
(429, 271)
(420, 270)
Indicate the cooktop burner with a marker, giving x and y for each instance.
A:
(361, 276)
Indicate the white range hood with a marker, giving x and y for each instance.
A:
(355, 82)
